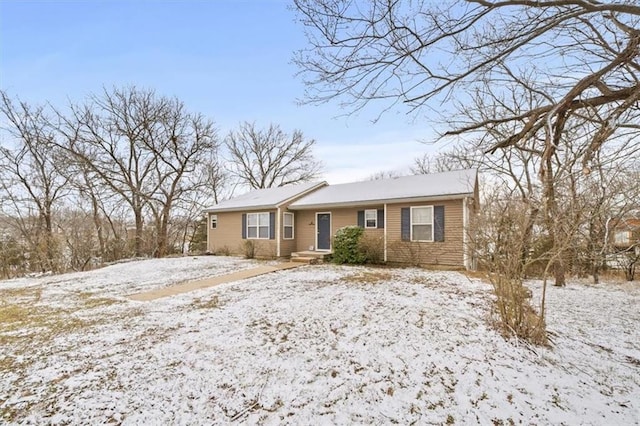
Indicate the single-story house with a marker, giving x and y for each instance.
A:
(626, 234)
(421, 219)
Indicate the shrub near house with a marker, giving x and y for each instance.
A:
(346, 245)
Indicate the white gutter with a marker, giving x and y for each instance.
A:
(385, 232)
(278, 232)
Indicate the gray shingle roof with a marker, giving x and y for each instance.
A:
(458, 182)
(269, 198)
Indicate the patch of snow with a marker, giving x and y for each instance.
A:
(317, 344)
(455, 182)
(268, 198)
(131, 277)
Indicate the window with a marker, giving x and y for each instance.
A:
(288, 226)
(622, 237)
(258, 226)
(214, 221)
(422, 223)
(371, 218)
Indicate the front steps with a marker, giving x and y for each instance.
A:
(310, 257)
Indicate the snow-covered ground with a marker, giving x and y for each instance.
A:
(313, 345)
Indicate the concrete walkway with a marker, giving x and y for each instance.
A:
(210, 282)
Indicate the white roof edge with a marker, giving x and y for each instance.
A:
(413, 187)
(386, 201)
(268, 206)
(244, 208)
(303, 193)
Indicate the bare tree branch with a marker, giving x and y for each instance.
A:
(264, 158)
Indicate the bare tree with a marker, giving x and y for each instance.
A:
(455, 158)
(581, 55)
(264, 158)
(521, 74)
(560, 194)
(385, 174)
(218, 185)
(31, 179)
(144, 148)
(71, 182)
(499, 241)
(185, 143)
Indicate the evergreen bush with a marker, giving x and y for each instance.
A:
(346, 247)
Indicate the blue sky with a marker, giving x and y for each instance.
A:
(230, 60)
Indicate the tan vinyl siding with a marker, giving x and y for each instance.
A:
(306, 224)
(305, 230)
(228, 236)
(447, 253)
(288, 246)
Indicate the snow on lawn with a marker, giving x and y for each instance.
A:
(135, 276)
(317, 344)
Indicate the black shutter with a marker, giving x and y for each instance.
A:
(405, 223)
(380, 218)
(361, 218)
(272, 226)
(244, 226)
(438, 223)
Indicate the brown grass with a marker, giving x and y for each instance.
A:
(25, 324)
(29, 327)
(27, 294)
(369, 277)
(36, 322)
(210, 303)
(90, 300)
(477, 274)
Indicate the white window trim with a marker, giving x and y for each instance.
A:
(257, 237)
(411, 223)
(211, 219)
(293, 229)
(375, 218)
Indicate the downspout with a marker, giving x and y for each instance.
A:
(385, 232)
(465, 233)
(278, 232)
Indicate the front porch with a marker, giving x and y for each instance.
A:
(311, 257)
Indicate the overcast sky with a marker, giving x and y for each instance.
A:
(230, 60)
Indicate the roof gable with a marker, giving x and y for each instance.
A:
(628, 224)
(269, 198)
(453, 183)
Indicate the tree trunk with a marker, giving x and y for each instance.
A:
(98, 225)
(162, 228)
(559, 273)
(50, 255)
(139, 230)
(552, 224)
(526, 239)
(162, 243)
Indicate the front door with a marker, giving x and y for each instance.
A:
(323, 228)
